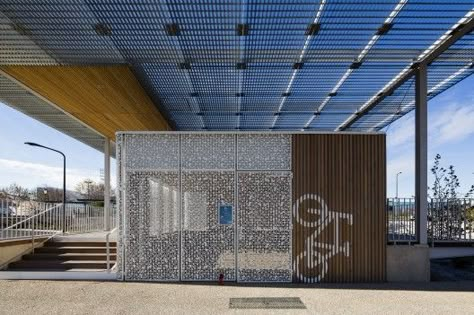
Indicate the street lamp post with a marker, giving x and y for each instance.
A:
(396, 192)
(64, 178)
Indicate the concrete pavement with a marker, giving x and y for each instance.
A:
(82, 297)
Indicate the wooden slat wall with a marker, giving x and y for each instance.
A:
(347, 171)
(106, 98)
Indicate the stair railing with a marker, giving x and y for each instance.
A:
(107, 242)
(45, 223)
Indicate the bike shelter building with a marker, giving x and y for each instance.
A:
(248, 135)
(252, 206)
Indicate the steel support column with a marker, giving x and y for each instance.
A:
(421, 154)
(107, 184)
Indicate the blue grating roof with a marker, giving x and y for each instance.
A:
(309, 64)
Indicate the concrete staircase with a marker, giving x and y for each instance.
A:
(67, 256)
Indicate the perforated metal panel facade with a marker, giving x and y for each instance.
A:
(172, 187)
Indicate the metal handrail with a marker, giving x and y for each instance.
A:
(107, 236)
(29, 224)
(31, 218)
(78, 218)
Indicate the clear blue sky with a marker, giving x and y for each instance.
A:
(451, 133)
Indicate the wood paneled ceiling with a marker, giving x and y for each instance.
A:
(106, 98)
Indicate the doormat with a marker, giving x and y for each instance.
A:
(267, 302)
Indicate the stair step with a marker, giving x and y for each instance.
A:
(74, 249)
(58, 265)
(68, 256)
(79, 244)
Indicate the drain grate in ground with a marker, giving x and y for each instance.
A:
(267, 302)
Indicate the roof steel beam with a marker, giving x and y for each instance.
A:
(465, 26)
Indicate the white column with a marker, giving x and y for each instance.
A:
(421, 154)
(107, 184)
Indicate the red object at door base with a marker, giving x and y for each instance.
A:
(221, 279)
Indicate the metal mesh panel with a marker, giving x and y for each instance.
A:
(146, 151)
(264, 252)
(208, 152)
(151, 232)
(207, 247)
(178, 221)
(264, 152)
(121, 189)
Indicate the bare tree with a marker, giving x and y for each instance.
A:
(91, 189)
(446, 183)
(15, 192)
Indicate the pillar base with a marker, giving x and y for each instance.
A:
(407, 263)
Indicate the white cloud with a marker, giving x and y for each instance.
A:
(402, 132)
(33, 174)
(455, 123)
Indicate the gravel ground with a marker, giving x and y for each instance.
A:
(84, 297)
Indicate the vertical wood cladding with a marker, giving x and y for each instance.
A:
(339, 232)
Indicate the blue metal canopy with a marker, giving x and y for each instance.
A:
(254, 65)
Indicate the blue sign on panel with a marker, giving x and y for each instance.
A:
(225, 214)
